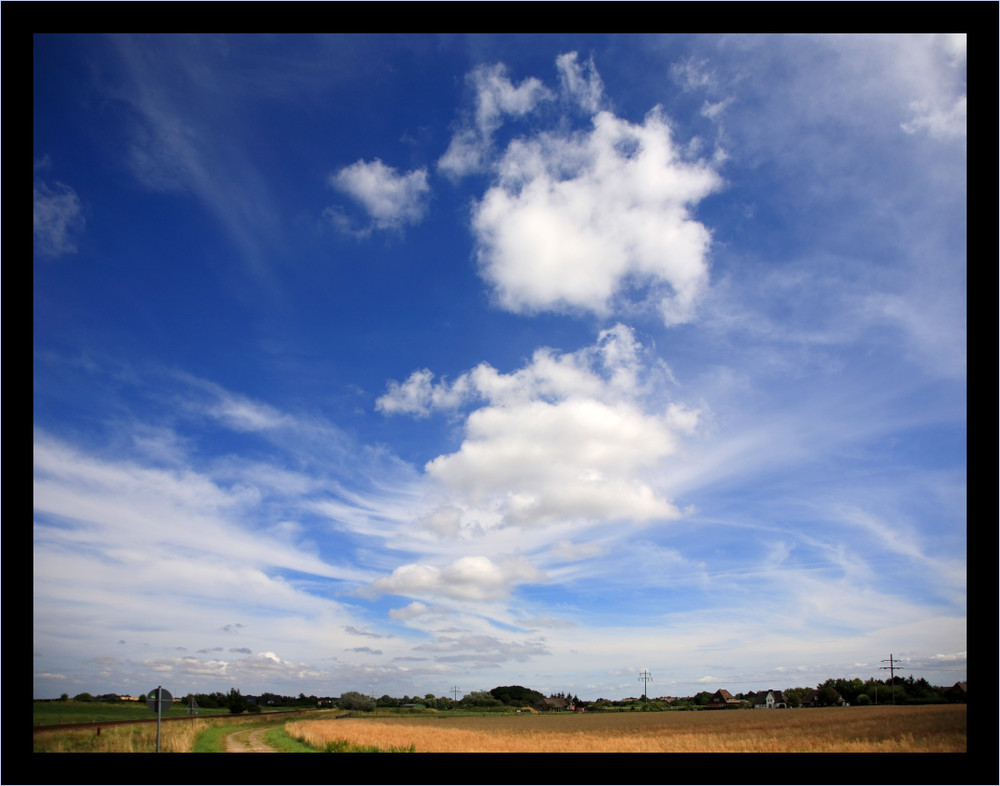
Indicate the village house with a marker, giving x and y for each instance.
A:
(770, 700)
(559, 704)
(723, 700)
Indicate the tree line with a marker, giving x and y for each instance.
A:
(898, 690)
(857, 692)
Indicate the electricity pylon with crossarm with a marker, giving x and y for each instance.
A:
(645, 677)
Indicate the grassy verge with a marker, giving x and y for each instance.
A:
(343, 746)
(212, 739)
(281, 740)
(52, 713)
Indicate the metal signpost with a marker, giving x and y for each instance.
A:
(157, 698)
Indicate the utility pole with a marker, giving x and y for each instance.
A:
(892, 674)
(455, 690)
(645, 677)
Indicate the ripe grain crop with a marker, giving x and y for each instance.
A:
(125, 738)
(940, 729)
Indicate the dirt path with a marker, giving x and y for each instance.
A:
(248, 741)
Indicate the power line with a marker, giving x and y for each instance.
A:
(645, 677)
(892, 674)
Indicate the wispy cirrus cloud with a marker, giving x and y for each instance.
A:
(57, 215)
(580, 82)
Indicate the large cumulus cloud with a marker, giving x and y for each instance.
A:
(587, 221)
(569, 437)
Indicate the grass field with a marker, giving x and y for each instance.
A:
(51, 713)
(194, 735)
(938, 728)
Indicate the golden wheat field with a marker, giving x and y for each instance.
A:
(940, 729)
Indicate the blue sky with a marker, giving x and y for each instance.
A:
(403, 364)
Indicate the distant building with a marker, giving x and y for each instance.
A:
(723, 700)
(770, 700)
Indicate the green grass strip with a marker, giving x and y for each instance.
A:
(212, 740)
(282, 741)
(343, 746)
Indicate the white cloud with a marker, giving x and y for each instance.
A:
(57, 217)
(495, 97)
(128, 509)
(573, 459)
(242, 414)
(482, 648)
(942, 122)
(694, 74)
(410, 611)
(576, 222)
(571, 552)
(592, 221)
(418, 395)
(392, 200)
(941, 111)
(581, 83)
(472, 578)
(446, 521)
(567, 437)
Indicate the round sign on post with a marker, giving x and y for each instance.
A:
(155, 701)
(159, 696)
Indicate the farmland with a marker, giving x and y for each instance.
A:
(903, 729)
(940, 729)
(202, 734)
(60, 712)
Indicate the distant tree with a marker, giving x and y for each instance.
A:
(210, 700)
(480, 698)
(445, 703)
(385, 700)
(83, 697)
(235, 702)
(357, 702)
(64, 697)
(794, 696)
(848, 690)
(921, 692)
(702, 698)
(517, 696)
